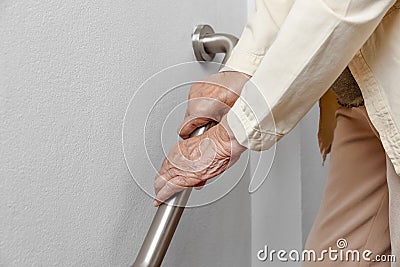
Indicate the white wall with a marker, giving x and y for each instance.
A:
(313, 173)
(67, 72)
(284, 208)
(276, 206)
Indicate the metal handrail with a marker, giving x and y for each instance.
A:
(206, 44)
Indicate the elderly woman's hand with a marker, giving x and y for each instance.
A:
(211, 99)
(193, 161)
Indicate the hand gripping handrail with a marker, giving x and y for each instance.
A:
(206, 44)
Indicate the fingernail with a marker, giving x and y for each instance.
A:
(155, 203)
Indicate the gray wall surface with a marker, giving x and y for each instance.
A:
(67, 72)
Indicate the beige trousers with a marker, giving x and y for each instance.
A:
(361, 197)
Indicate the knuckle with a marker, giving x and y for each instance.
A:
(171, 172)
(164, 165)
(181, 181)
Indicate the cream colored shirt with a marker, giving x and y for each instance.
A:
(295, 50)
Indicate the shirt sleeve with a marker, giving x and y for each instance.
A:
(315, 43)
(258, 35)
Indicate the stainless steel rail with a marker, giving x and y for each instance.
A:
(206, 44)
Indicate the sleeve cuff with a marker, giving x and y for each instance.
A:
(245, 62)
(246, 129)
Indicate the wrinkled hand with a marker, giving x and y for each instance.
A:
(193, 161)
(211, 99)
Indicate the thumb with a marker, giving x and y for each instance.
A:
(190, 124)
